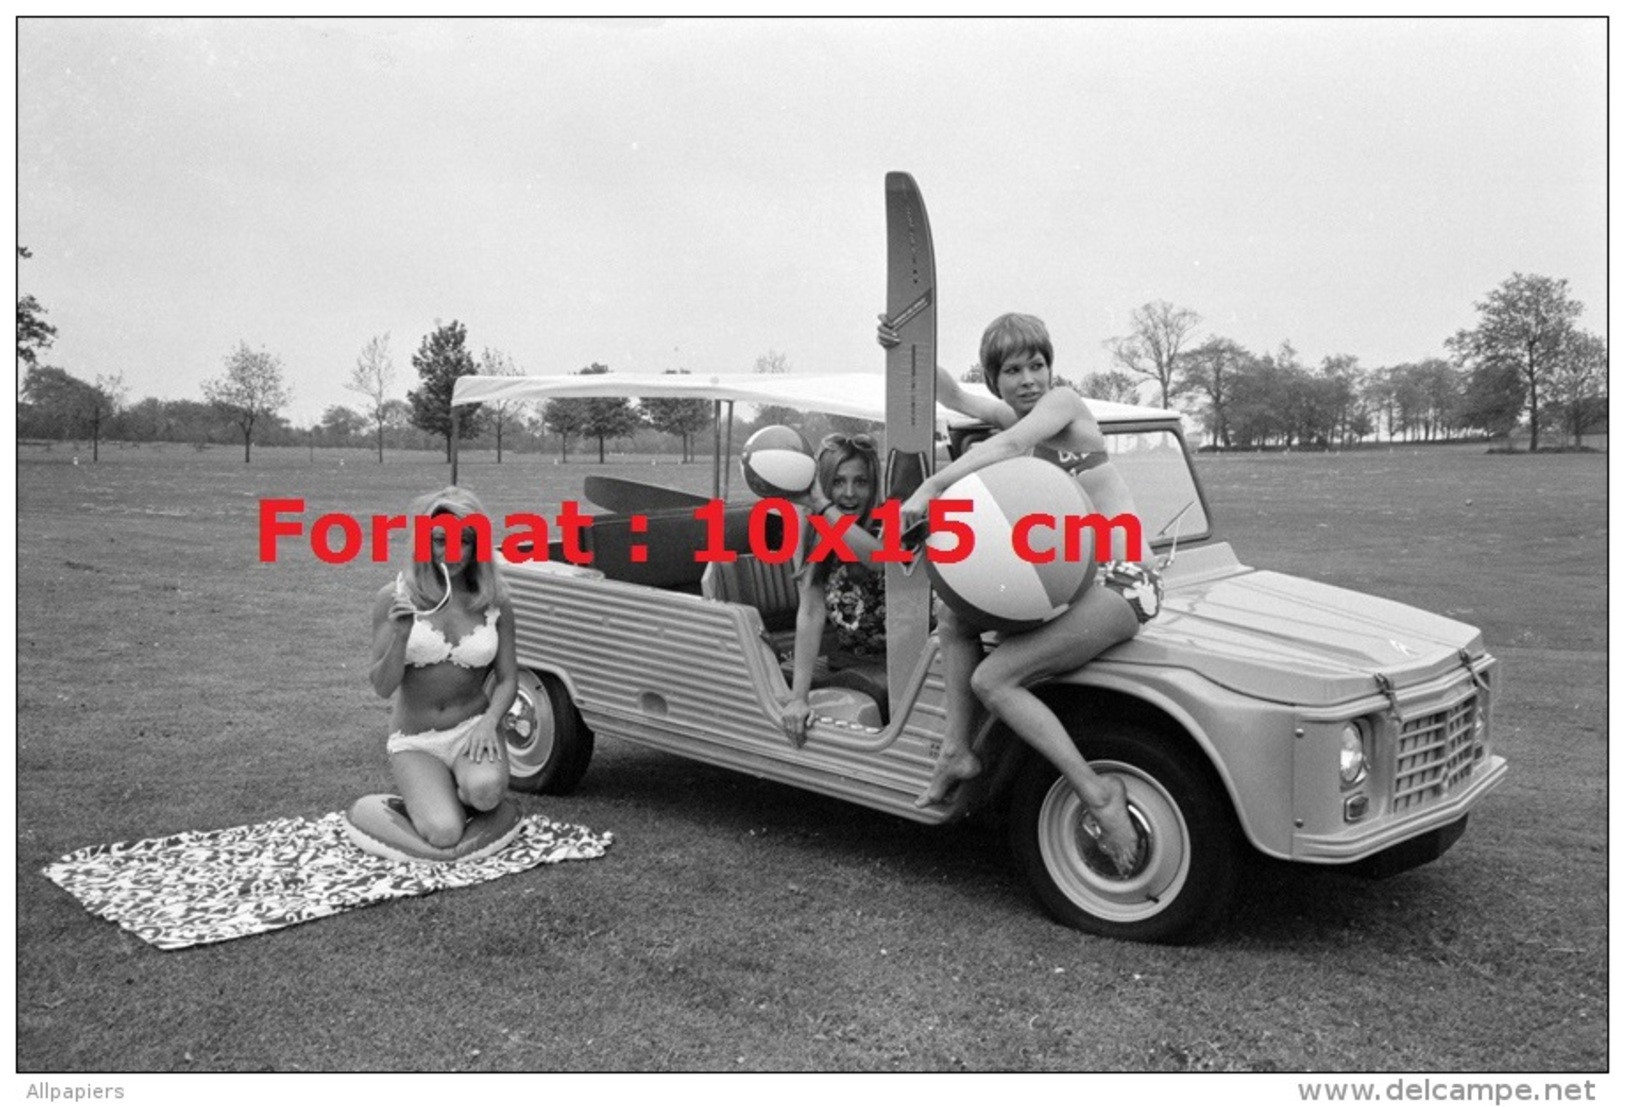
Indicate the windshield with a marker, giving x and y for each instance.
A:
(1159, 474)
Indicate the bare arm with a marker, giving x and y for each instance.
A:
(810, 617)
(484, 743)
(506, 666)
(1059, 408)
(391, 627)
(952, 394)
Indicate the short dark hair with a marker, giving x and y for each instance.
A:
(1008, 335)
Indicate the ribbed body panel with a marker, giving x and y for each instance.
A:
(682, 673)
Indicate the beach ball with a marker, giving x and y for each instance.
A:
(1004, 584)
(778, 462)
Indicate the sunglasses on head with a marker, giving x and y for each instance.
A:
(841, 441)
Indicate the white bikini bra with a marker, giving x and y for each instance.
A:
(475, 650)
(427, 644)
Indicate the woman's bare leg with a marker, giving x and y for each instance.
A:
(430, 792)
(1100, 619)
(961, 646)
(480, 784)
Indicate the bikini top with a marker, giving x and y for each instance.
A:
(427, 644)
(1074, 463)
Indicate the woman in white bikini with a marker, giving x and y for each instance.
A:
(1035, 417)
(439, 630)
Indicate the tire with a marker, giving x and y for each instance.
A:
(549, 746)
(1187, 875)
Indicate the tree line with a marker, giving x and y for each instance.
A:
(1525, 359)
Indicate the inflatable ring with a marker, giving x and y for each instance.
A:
(379, 825)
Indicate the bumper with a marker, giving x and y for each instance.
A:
(1357, 843)
(1429, 846)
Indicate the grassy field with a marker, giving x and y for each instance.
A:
(168, 680)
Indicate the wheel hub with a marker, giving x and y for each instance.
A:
(520, 721)
(1088, 835)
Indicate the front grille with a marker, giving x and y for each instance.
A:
(1434, 753)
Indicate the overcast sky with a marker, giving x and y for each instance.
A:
(697, 193)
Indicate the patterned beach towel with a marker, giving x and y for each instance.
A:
(206, 886)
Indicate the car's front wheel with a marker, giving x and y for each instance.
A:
(1186, 874)
(549, 746)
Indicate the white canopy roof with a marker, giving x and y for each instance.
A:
(862, 395)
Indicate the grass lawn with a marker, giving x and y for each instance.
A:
(167, 680)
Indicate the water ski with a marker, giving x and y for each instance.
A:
(911, 412)
(379, 825)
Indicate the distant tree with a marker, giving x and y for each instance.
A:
(1439, 384)
(1340, 397)
(1210, 370)
(111, 395)
(112, 386)
(679, 415)
(339, 424)
(500, 414)
(773, 362)
(154, 420)
(973, 375)
(1152, 347)
(1410, 401)
(372, 376)
(600, 417)
(768, 415)
(56, 404)
(565, 417)
(1315, 403)
(33, 332)
(1377, 396)
(1113, 384)
(608, 416)
(1267, 399)
(251, 390)
(1493, 396)
(1528, 319)
(398, 428)
(442, 357)
(1580, 382)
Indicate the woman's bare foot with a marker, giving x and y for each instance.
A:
(951, 769)
(1112, 829)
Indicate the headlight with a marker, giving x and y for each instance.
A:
(1352, 763)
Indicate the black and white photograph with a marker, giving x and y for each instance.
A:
(1049, 547)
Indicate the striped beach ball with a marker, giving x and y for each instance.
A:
(1000, 586)
(778, 462)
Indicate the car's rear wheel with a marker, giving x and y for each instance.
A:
(1186, 874)
(549, 746)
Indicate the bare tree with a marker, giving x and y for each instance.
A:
(374, 372)
(768, 414)
(495, 363)
(773, 362)
(111, 395)
(1152, 348)
(251, 389)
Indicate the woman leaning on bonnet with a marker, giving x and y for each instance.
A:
(1033, 416)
